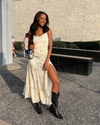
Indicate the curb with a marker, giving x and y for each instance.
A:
(3, 122)
(12, 66)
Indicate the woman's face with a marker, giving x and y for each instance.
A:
(42, 20)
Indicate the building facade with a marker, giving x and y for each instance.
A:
(70, 20)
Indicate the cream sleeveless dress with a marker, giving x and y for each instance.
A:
(38, 85)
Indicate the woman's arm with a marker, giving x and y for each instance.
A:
(32, 46)
(49, 49)
(26, 43)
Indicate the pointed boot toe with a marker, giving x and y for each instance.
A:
(55, 112)
(38, 108)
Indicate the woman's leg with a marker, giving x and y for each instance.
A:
(54, 78)
(13, 52)
(55, 91)
(24, 53)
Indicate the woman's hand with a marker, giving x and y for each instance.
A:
(32, 46)
(46, 66)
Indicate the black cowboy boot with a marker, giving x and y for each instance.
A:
(38, 108)
(54, 106)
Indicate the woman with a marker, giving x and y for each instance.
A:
(25, 46)
(13, 48)
(42, 78)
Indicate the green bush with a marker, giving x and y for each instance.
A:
(94, 45)
(98, 44)
(73, 45)
(88, 45)
(17, 45)
(59, 44)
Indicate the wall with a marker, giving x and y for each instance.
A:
(0, 32)
(70, 20)
(5, 32)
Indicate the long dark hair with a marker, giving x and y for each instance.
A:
(34, 25)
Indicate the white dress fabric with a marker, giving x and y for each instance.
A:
(38, 85)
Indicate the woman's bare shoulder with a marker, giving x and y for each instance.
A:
(49, 31)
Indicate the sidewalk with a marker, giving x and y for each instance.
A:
(79, 101)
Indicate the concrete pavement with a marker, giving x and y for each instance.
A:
(79, 101)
